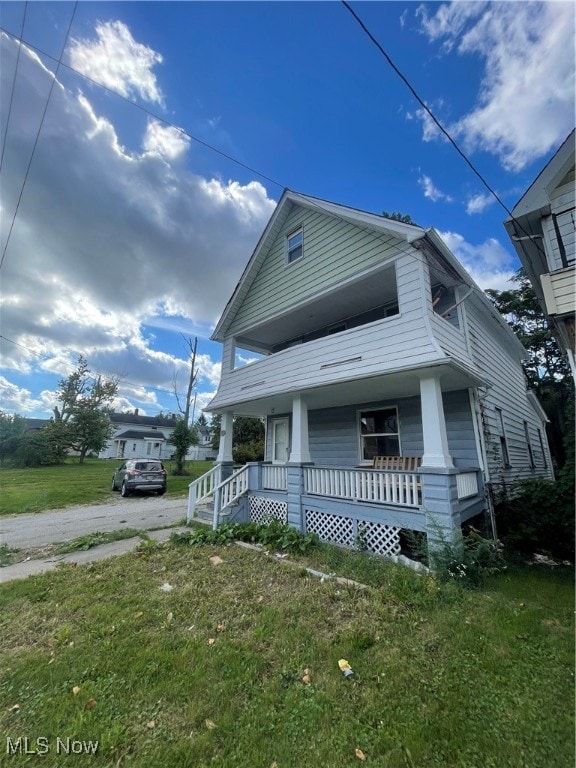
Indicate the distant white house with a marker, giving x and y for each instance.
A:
(139, 436)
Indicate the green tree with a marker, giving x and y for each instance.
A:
(247, 440)
(547, 370)
(182, 438)
(82, 422)
(405, 218)
(11, 425)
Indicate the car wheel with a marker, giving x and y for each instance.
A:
(124, 491)
(161, 492)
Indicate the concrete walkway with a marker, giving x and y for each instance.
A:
(42, 528)
(80, 557)
(33, 531)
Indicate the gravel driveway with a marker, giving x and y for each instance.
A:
(41, 528)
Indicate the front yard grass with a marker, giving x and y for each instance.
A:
(168, 658)
(69, 484)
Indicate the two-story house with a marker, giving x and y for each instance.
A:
(543, 231)
(392, 389)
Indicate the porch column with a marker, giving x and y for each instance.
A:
(434, 425)
(300, 453)
(226, 433)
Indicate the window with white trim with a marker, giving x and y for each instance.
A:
(294, 245)
(379, 433)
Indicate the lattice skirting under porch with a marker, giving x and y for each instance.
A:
(262, 509)
(375, 537)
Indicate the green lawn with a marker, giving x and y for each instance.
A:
(210, 672)
(40, 488)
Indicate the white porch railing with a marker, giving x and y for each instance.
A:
(401, 488)
(274, 478)
(228, 491)
(202, 488)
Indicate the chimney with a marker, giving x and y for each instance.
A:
(135, 411)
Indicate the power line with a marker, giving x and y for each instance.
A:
(149, 112)
(38, 134)
(5, 139)
(424, 105)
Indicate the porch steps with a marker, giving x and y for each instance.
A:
(204, 512)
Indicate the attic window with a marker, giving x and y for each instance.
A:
(294, 245)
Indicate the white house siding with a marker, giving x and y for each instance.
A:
(559, 290)
(334, 251)
(394, 343)
(452, 341)
(334, 438)
(507, 391)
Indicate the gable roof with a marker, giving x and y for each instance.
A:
(427, 240)
(537, 196)
(150, 421)
(288, 200)
(135, 434)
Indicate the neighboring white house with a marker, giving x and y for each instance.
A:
(141, 436)
(138, 436)
(543, 231)
(375, 341)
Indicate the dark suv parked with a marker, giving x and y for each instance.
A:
(140, 475)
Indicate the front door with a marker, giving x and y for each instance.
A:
(280, 441)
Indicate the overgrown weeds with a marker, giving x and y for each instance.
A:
(274, 534)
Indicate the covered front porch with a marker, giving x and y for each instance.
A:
(326, 482)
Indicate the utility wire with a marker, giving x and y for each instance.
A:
(148, 112)
(425, 106)
(440, 126)
(5, 138)
(38, 133)
(249, 168)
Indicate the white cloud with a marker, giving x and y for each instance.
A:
(489, 263)
(431, 191)
(478, 203)
(15, 399)
(106, 242)
(117, 61)
(165, 140)
(525, 106)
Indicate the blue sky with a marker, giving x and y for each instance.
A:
(130, 234)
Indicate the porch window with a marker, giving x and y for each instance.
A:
(379, 435)
(294, 245)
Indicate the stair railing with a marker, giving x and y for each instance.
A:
(202, 488)
(228, 491)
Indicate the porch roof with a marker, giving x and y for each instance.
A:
(403, 383)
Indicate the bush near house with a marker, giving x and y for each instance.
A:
(537, 515)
